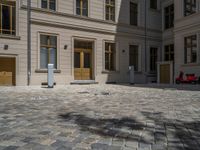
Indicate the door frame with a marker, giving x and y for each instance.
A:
(86, 39)
(16, 65)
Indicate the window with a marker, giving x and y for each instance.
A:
(82, 7)
(189, 7)
(133, 13)
(133, 56)
(153, 59)
(7, 17)
(169, 16)
(49, 4)
(110, 56)
(110, 10)
(191, 49)
(48, 51)
(169, 52)
(153, 4)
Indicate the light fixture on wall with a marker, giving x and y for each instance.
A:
(65, 47)
(123, 51)
(5, 47)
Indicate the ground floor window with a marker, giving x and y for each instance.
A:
(191, 49)
(153, 58)
(169, 52)
(134, 56)
(110, 56)
(48, 51)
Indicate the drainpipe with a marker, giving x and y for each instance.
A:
(145, 38)
(28, 41)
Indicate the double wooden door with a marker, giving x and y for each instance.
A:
(83, 64)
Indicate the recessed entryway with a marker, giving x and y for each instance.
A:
(83, 60)
(7, 71)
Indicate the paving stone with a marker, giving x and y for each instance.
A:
(99, 117)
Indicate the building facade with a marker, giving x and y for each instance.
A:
(98, 40)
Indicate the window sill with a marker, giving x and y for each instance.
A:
(46, 71)
(12, 37)
(109, 72)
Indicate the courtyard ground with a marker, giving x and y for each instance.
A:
(100, 117)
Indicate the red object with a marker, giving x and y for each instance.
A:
(189, 78)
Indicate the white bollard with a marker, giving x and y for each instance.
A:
(50, 75)
(132, 72)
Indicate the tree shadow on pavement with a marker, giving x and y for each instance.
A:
(156, 131)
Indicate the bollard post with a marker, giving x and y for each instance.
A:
(50, 76)
(132, 72)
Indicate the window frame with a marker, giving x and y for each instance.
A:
(169, 23)
(136, 68)
(131, 15)
(11, 6)
(153, 62)
(81, 8)
(191, 7)
(48, 5)
(191, 49)
(109, 14)
(39, 50)
(170, 52)
(110, 52)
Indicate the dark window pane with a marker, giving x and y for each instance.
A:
(6, 24)
(43, 39)
(153, 4)
(52, 4)
(87, 63)
(53, 57)
(133, 56)
(77, 60)
(43, 57)
(133, 13)
(44, 4)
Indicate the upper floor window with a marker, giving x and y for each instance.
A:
(153, 4)
(48, 51)
(169, 52)
(191, 49)
(7, 17)
(134, 56)
(110, 10)
(48, 4)
(133, 13)
(169, 16)
(110, 56)
(82, 7)
(189, 7)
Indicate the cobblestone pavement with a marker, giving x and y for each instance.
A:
(99, 117)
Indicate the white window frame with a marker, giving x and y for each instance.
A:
(58, 49)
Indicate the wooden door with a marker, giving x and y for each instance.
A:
(7, 71)
(165, 73)
(82, 64)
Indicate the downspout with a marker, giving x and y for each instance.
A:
(28, 41)
(145, 39)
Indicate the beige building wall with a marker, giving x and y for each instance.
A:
(67, 26)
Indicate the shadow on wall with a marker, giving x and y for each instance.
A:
(123, 38)
(156, 130)
(121, 61)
